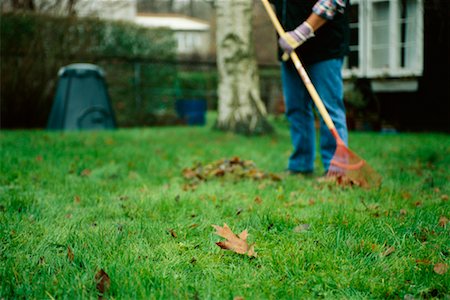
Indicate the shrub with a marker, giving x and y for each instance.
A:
(34, 47)
(199, 84)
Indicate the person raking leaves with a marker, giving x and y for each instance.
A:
(318, 30)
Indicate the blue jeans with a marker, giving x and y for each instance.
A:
(327, 79)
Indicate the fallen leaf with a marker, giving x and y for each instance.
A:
(86, 172)
(103, 282)
(235, 160)
(190, 187)
(189, 173)
(109, 141)
(70, 254)
(374, 247)
(423, 261)
(440, 268)
(275, 177)
(302, 227)
(443, 221)
(236, 243)
(444, 197)
(218, 173)
(77, 199)
(406, 195)
(258, 200)
(403, 212)
(172, 233)
(388, 251)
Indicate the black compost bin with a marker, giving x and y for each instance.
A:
(81, 100)
(192, 111)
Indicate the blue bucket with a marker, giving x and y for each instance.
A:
(193, 111)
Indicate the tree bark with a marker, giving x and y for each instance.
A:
(240, 107)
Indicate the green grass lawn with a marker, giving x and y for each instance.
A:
(74, 203)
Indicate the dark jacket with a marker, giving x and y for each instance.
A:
(330, 41)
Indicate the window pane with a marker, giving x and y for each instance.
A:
(353, 57)
(380, 35)
(408, 29)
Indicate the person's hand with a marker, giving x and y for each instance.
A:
(293, 39)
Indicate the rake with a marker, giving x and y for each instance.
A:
(346, 167)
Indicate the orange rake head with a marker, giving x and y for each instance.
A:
(347, 168)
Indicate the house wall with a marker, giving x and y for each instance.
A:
(427, 106)
(193, 42)
(386, 39)
(111, 9)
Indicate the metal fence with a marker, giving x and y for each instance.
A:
(142, 89)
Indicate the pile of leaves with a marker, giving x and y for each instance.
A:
(234, 168)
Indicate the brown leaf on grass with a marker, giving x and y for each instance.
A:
(443, 221)
(275, 177)
(172, 233)
(423, 261)
(218, 172)
(302, 228)
(444, 198)
(70, 254)
(235, 243)
(236, 160)
(258, 200)
(85, 173)
(440, 268)
(190, 173)
(190, 187)
(389, 251)
(102, 282)
(406, 195)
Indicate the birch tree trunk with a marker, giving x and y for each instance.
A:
(240, 107)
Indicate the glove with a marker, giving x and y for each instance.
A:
(292, 39)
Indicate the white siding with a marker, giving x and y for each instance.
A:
(193, 36)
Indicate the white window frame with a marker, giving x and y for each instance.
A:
(365, 69)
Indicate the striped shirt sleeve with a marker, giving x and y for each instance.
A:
(328, 8)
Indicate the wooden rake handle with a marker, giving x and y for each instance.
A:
(302, 72)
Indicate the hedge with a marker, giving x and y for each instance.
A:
(34, 47)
